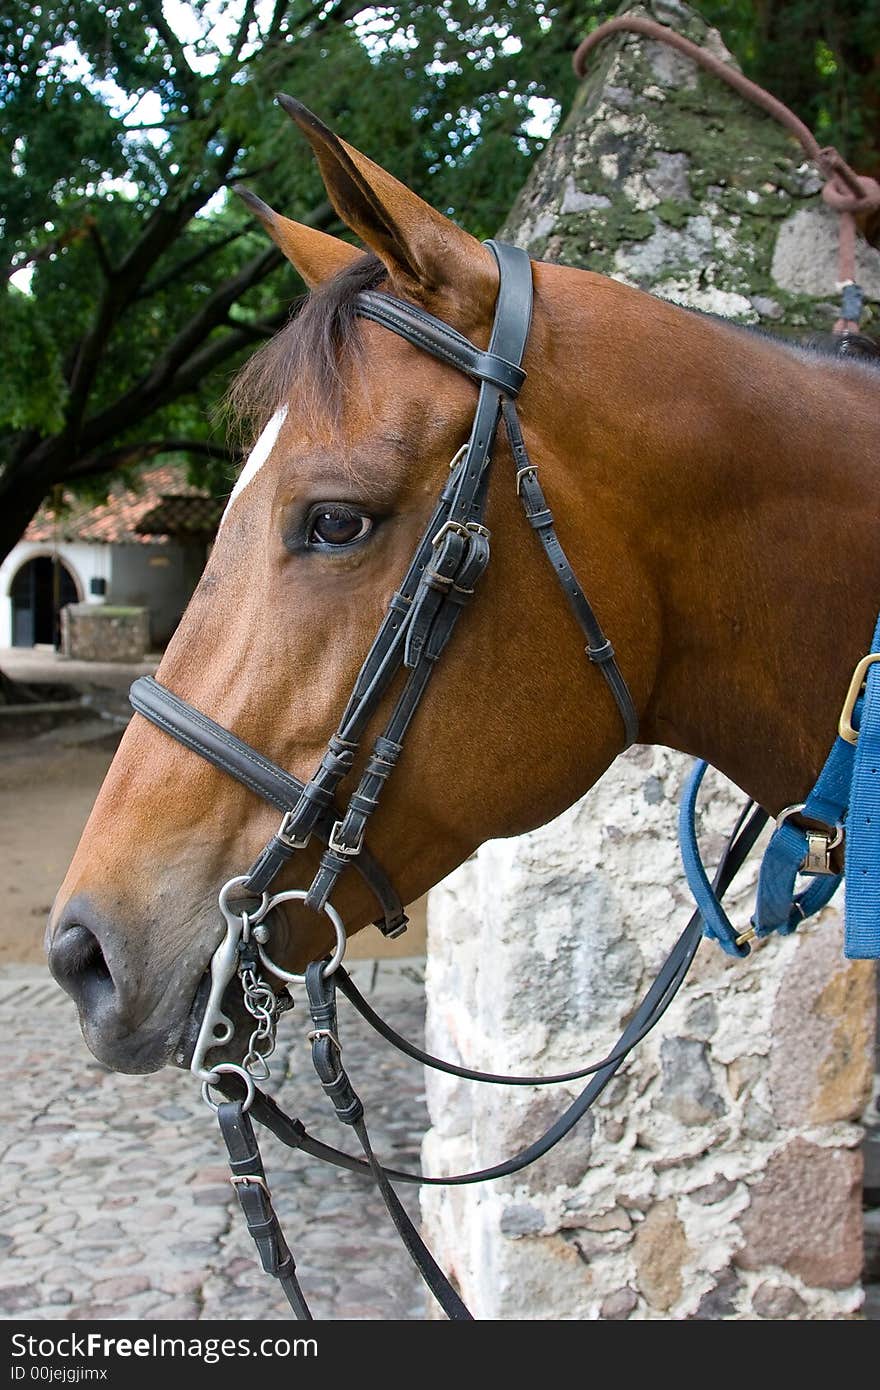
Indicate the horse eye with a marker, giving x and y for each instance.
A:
(335, 526)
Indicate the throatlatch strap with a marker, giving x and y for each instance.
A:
(599, 650)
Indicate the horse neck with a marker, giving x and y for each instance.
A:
(740, 475)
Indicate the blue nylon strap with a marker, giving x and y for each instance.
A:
(847, 791)
(776, 908)
(779, 907)
(716, 923)
(862, 931)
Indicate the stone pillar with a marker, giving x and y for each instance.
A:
(720, 1174)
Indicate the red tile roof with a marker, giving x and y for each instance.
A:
(113, 522)
(179, 516)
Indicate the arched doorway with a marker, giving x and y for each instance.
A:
(39, 591)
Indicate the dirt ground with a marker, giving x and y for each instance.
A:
(48, 784)
(46, 793)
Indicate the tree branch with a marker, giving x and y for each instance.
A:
(237, 175)
(139, 403)
(189, 263)
(101, 253)
(49, 248)
(162, 228)
(184, 361)
(279, 11)
(187, 80)
(241, 37)
(126, 455)
(258, 330)
(340, 14)
(166, 123)
(212, 313)
(212, 354)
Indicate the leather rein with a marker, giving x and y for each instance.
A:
(450, 558)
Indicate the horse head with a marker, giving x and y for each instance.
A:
(702, 495)
(356, 430)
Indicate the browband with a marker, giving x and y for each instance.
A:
(436, 337)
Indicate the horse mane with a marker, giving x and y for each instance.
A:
(815, 346)
(308, 350)
(826, 348)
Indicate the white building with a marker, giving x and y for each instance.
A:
(142, 548)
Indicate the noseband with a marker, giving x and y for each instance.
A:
(441, 579)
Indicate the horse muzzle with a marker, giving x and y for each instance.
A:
(128, 1025)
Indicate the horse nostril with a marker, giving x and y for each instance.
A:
(78, 951)
(90, 956)
(77, 962)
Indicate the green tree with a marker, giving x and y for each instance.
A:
(821, 57)
(121, 138)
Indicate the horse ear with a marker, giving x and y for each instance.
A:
(314, 254)
(425, 253)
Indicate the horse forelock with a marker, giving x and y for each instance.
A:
(307, 352)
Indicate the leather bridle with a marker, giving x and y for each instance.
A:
(441, 579)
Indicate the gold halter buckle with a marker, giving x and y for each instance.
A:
(859, 676)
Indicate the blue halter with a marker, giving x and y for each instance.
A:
(845, 799)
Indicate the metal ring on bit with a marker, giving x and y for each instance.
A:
(300, 895)
(223, 901)
(237, 1071)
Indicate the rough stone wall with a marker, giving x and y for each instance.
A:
(90, 632)
(719, 1176)
(665, 178)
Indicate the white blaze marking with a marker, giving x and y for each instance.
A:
(260, 452)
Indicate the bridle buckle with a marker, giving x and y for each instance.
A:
(317, 1033)
(465, 529)
(819, 847)
(250, 1180)
(458, 528)
(283, 833)
(523, 473)
(820, 843)
(340, 847)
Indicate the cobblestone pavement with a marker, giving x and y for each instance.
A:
(121, 1206)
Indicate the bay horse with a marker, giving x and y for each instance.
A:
(714, 489)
